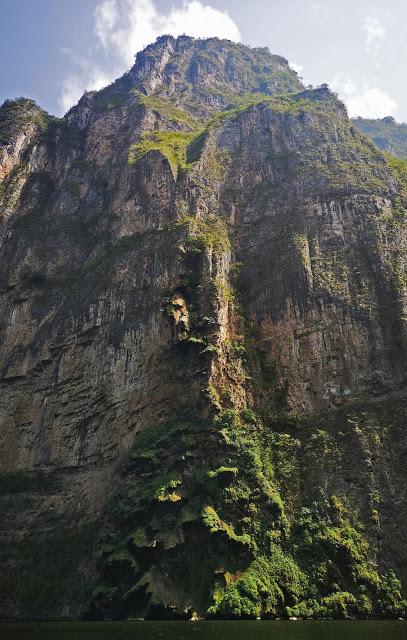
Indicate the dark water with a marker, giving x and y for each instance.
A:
(349, 630)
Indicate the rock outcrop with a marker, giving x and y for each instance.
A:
(203, 348)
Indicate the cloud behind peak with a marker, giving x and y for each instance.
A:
(123, 27)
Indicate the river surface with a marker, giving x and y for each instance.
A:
(262, 630)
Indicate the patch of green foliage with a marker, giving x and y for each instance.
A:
(265, 589)
(108, 99)
(387, 134)
(165, 107)
(226, 473)
(173, 145)
(390, 598)
(214, 523)
(338, 174)
(183, 149)
(283, 104)
(238, 104)
(394, 219)
(17, 114)
(210, 232)
(163, 488)
(399, 169)
(211, 508)
(223, 471)
(331, 547)
(248, 440)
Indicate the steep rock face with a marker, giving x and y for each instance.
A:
(301, 180)
(199, 257)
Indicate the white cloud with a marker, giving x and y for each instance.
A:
(200, 21)
(371, 103)
(375, 34)
(366, 102)
(126, 26)
(297, 67)
(72, 88)
(90, 76)
(123, 27)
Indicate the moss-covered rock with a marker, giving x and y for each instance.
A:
(316, 561)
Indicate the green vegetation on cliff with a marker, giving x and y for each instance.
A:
(206, 233)
(399, 168)
(386, 133)
(16, 115)
(183, 148)
(172, 114)
(173, 145)
(217, 539)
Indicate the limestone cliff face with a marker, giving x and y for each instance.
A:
(200, 250)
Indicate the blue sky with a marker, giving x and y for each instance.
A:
(53, 50)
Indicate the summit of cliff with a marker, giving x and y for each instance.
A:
(203, 75)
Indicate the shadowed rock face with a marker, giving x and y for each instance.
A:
(199, 248)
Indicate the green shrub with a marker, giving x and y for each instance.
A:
(263, 590)
(390, 601)
(210, 232)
